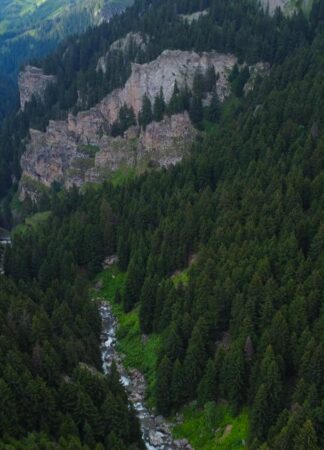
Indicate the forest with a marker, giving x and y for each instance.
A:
(240, 28)
(243, 216)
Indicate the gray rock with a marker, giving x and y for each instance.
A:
(33, 81)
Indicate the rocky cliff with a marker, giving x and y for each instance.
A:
(80, 149)
(287, 6)
(170, 67)
(32, 81)
(124, 45)
(68, 155)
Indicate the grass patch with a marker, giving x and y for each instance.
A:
(138, 353)
(181, 277)
(213, 428)
(31, 222)
(123, 175)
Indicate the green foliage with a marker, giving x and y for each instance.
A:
(139, 353)
(199, 427)
(248, 204)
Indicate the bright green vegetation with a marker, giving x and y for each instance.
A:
(122, 175)
(181, 277)
(213, 428)
(138, 353)
(32, 222)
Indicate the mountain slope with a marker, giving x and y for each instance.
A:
(222, 255)
(31, 29)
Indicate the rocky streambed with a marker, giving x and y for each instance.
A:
(156, 431)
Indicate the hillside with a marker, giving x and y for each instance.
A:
(209, 268)
(32, 28)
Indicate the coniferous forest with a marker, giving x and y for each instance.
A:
(242, 216)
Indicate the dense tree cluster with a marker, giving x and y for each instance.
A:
(243, 216)
(248, 326)
(51, 385)
(240, 28)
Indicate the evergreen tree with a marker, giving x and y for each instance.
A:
(214, 109)
(177, 384)
(196, 110)
(147, 304)
(306, 438)
(207, 389)
(163, 386)
(159, 107)
(145, 115)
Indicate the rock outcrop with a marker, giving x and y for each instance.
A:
(124, 45)
(73, 153)
(170, 67)
(194, 16)
(80, 150)
(287, 6)
(33, 82)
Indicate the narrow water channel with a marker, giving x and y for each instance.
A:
(156, 432)
(4, 241)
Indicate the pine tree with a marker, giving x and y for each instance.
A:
(134, 282)
(177, 384)
(163, 386)
(214, 109)
(196, 111)
(159, 107)
(207, 389)
(145, 115)
(259, 414)
(195, 359)
(147, 304)
(306, 439)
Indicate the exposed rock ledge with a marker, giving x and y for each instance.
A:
(124, 45)
(33, 81)
(80, 150)
(73, 155)
(287, 6)
(194, 16)
(170, 66)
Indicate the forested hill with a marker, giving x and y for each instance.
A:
(223, 261)
(32, 29)
(241, 28)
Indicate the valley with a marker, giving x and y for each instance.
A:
(161, 285)
(33, 28)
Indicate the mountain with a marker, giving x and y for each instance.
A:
(31, 29)
(171, 164)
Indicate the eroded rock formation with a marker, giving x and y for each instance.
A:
(124, 45)
(33, 81)
(72, 155)
(170, 67)
(287, 6)
(80, 149)
(194, 16)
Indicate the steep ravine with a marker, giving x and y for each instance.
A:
(156, 432)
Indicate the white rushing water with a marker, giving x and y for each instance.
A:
(4, 241)
(156, 432)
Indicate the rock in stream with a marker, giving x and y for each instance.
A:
(156, 431)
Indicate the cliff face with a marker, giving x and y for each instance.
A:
(170, 67)
(66, 154)
(124, 45)
(287, 6)
(80, 149)
(32, 81)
